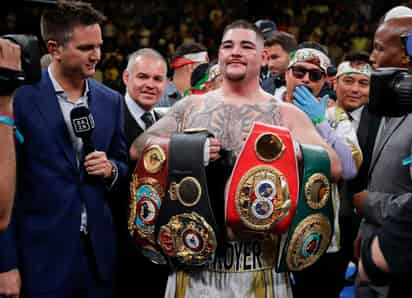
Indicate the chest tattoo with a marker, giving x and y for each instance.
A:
(230, 123)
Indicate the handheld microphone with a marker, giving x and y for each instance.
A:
(83, 125)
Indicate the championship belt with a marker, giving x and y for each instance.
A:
(147, 190)
(263, 190)
(312, 226)
(186, 227)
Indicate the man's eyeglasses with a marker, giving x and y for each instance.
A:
(299, 72)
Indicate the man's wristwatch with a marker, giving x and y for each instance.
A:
(113, 173)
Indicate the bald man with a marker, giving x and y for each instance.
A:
(386, 204)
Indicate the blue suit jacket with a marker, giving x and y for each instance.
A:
(43, 240)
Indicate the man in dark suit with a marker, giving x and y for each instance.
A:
(145, 78)
(61, 238)
(389, 181)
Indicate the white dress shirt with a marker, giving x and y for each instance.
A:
(137, 111)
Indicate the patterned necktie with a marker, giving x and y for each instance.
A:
(147, 119)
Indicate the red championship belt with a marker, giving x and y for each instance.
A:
(147, 191)
(264, 186)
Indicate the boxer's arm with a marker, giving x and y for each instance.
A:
(163, 128)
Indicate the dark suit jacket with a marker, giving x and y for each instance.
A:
(131, 127)
(44, 236)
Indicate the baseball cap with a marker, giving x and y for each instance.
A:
(267, 27)
(312, 56)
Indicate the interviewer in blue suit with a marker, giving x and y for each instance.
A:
(61, 240)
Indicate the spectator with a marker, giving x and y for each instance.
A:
(145, 79)
(187, 57)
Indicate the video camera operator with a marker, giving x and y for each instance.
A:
(386, 232)
(9, 59)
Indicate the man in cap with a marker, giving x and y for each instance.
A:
(267, 28)
(278, 48)
(352, 92)
(305, 78)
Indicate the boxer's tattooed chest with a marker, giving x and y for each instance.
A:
(231, 124)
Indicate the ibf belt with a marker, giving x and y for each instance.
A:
(186, 227)
(147, 190)
(312, 226)
(263, 189)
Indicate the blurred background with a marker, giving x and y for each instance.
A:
(132, 24)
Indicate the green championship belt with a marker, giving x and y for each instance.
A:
(312, 226)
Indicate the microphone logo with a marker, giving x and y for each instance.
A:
(83, 124)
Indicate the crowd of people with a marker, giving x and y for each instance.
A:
(131, 25)
(138, 160)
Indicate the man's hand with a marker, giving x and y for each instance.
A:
(358, 200)
(357, 247)
(308, 103)
(97, 164)
(9, 58)
(361, 271)
(9, 55)
(214, 148)
(10, 283)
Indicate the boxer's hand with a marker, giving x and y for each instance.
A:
(10, 283)
(97, 164)
(214, 148)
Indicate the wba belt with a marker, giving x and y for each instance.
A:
(263, 189)
(147, 190)
(186, 227)
(312, 226)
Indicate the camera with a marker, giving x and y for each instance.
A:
(391, 92)
(391, 87)
(30, 63)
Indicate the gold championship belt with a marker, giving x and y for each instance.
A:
(147, 190)
(312, 226)
(186, 228)
(263, 190)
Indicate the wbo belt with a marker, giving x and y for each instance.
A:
(147, 191)
(186, 228)
(312, 226)
(263, 189)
